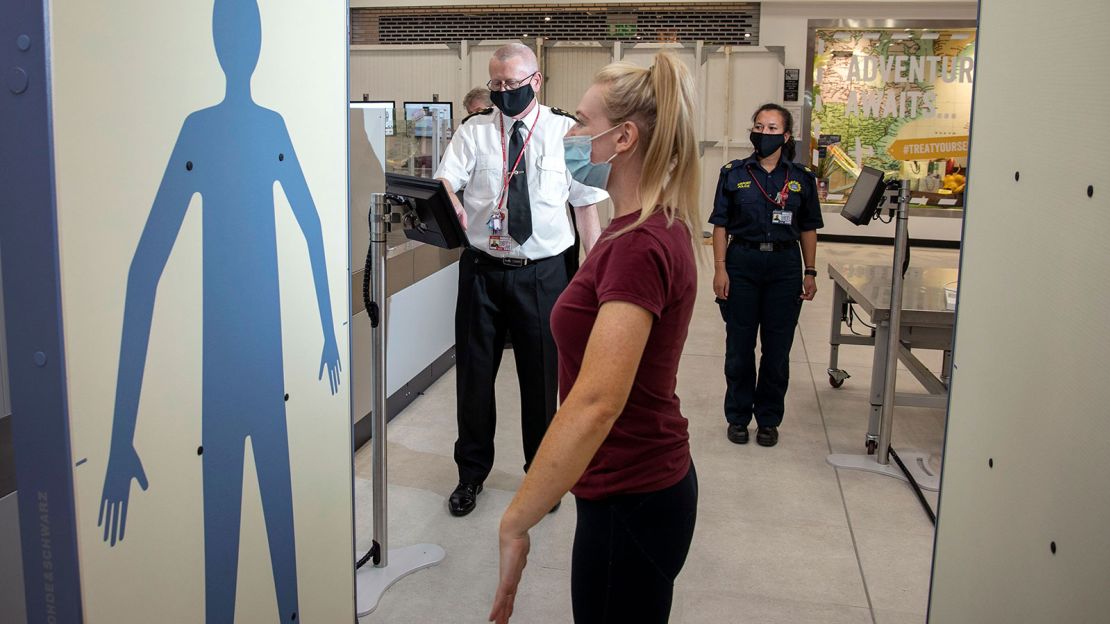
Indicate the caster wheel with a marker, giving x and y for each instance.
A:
(834, 382)
(872, 445)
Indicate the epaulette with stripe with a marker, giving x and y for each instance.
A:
(484, 111)
(559, 111)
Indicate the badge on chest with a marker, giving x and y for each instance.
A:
(782, 217)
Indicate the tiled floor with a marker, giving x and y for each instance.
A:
(781, 535)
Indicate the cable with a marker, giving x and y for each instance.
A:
(374, 554)
(853, 316)
(916, 488)
(372, 309)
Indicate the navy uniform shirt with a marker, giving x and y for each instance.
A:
(745, 213)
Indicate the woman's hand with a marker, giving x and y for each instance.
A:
(720, 282)
(809, 288)
(514, 556)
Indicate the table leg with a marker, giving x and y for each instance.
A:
(836, 375)
(835, 326)
(878, 384)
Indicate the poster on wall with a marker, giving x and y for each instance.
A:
(898, 100)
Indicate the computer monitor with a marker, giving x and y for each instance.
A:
(386, 105)
(437, 224)
(863, 202)
(422, 112)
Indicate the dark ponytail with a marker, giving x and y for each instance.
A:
(788, 149)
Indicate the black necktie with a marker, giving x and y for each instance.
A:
(520, 208)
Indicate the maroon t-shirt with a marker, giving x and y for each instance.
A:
(653, 267)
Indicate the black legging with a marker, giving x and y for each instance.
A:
(628, 550)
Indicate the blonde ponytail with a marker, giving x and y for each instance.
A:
(660, 100)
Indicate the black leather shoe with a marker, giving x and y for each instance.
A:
(463, 499)
(738, 434)
(767, 436)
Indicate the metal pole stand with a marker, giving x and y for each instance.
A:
(389, 566)
(915, 462)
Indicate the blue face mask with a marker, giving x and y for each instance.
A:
(576, 152)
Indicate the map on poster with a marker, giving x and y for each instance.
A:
(893, 96)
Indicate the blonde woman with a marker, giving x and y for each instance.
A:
(619, 441)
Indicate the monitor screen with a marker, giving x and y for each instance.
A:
(863, 202)
(423, 113)
(438, 224)
(386, 105)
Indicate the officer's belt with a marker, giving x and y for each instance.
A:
(482, 257)
(766, 246)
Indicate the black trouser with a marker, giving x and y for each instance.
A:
(575, 251)
(628, 550)
(763, 296)
(494, 298)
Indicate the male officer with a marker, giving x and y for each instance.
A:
(476, 100)
(510, 162)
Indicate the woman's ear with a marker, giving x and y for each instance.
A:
(627, 137)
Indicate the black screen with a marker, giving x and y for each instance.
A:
(863, 202)
(439, 225)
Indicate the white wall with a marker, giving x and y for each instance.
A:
(1027, 446)
(407, 73)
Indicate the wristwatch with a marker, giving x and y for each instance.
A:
(811, 271)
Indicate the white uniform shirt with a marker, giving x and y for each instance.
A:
(473, 162)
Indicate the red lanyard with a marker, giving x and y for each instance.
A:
(781, 201)
(507, 175)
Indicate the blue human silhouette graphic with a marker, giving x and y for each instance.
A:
(231, 154)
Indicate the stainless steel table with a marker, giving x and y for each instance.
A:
(927, 323)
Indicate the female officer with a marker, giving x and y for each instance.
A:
(765, 204)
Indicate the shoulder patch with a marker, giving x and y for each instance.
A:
(484, 111)
(559, 111)
(805, 169)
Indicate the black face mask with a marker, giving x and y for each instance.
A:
(766, 144)
(513, 103)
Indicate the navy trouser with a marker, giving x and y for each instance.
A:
(764, 296)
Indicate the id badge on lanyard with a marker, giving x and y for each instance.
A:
(496, 221)
(779, 216)
(500, 243)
